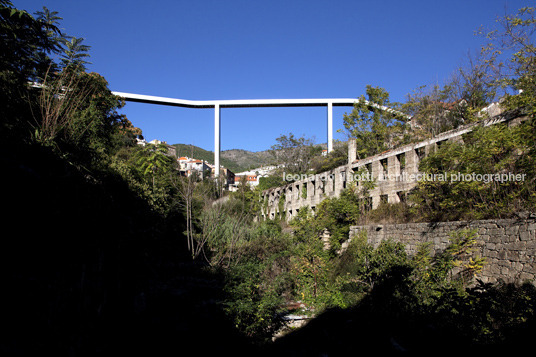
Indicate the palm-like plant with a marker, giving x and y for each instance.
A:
(50, 18)
(49, 21)
(74, 53)
(153, 159)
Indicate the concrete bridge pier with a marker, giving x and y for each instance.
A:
(217, 141)
(330, 127)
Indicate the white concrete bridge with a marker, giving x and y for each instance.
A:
(329, 103)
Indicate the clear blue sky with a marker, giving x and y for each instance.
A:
(249, 49)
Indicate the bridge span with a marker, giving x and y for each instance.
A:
(329, 103)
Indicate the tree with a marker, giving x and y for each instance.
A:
(436, 109)
(74, 54)
(511, 53)
(374, 128)
(472, 84)
(196, 197)
(333, 159)
(60, 98)
(22, 38)
(295, 154)
(52, 21)
(267, 182)
(153, 160)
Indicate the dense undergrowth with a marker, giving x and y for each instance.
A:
(273, 269)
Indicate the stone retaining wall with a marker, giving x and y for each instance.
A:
(509, 245)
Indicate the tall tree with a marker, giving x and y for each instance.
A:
(295, 154)
(153, 160)
(374, 128)
(52, 20)
(22, 37)
(74, 53)
(511, 51)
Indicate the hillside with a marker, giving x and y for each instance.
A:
(236, 160)
(248, 159)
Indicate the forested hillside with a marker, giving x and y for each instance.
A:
(236, 160)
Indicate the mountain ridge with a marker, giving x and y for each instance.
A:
(237, 160)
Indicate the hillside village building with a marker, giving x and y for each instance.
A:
(188, 166)
(251, 177)
(227, 175)
(172, 151)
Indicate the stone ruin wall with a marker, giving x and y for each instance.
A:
(395, 173)
(508, 245)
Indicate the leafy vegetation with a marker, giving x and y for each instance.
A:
(104, 239)
(97, 250)
(294, 153)
(503, 159)
(375, 129)
(431, 295)
(269, 271)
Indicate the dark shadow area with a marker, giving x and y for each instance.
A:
(387, 322)
(87, 269)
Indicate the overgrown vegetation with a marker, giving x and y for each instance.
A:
(271, 270)
(434, 295)
(106, 240)
(96, 253)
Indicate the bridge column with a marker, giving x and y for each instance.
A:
(330, 127)
(217, 136)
